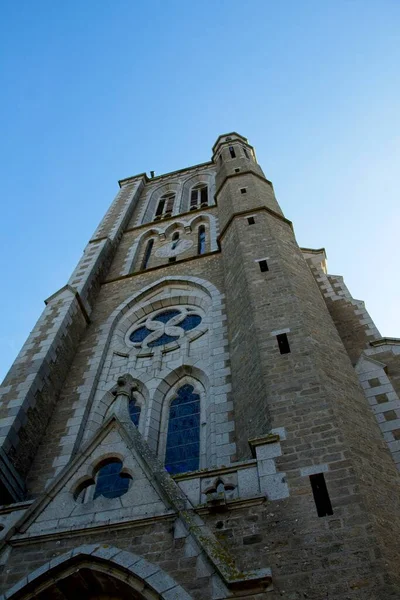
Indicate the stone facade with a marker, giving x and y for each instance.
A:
(202, 411)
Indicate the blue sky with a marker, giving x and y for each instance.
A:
(95, 91)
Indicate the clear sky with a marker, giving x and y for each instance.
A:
(94, 91)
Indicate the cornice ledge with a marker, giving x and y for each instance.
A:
(247, 172)
(315, 251)
(21, 539)
(224, 135)
(148, 179)
(386, 341)
(76, 295)
(269, 438)
(243, 213)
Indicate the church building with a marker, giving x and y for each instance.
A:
(202, 412)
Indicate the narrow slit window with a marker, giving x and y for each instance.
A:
(251, 221)
(175, 240)
(147, 255)
(283, 343)
(321, 495)
(245, 153)
(201, 243)
(232, 152)
(261, 263)
(243, 190)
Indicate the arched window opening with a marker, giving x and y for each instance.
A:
(134, 411)
(201, 240)
(198, 197)
(147, 255)
(232, 152)
(110, 482)
(245, 152)
(175, 240)
(165, 207)
(160, 208)
(183, 437)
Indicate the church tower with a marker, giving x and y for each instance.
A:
(202, 411)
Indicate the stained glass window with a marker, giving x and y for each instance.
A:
(134, 412)
(183, 438)
(110, 482)
(139, 335)
(165, 316)
(163, 339)
(162, 330)
(190, 322)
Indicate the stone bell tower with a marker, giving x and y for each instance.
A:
(202, 411)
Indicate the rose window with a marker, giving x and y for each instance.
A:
(164, 327)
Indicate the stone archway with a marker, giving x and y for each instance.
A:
(97, 572)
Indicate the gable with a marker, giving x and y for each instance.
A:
(139, 497)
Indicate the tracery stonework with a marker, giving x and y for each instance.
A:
(164, 327)
(202, 412)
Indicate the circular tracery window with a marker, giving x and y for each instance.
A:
(164, 327)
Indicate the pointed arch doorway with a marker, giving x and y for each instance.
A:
(88, 583)
(98, 573)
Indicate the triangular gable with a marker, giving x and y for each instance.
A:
(58, 510)
(156, 494)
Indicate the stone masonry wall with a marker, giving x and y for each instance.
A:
(309, 397)
(67, 421)
(30, 389)
(352, 320)
(313, 391)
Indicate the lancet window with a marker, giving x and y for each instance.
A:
(183, 437)
(198, 197)
(134, 411)
(147, 254)
(165, 207)
(201, 240)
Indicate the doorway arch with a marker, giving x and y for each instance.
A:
(97, 572)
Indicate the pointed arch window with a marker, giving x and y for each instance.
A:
(147, 254)
(198, 197)
(183, 437)
(134, 411)
(165, 207)
(201, 240)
